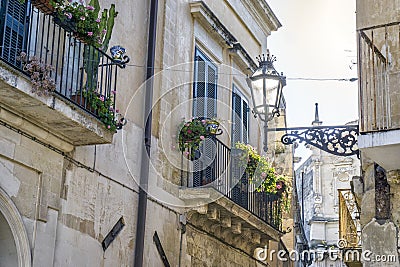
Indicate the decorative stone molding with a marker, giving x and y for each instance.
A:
(14, 220)
(233, 224)
(263, 14)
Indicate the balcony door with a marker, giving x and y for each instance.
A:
(204, 105)
(240, 125)
(205, 87)
(14, 29)
(240, 117)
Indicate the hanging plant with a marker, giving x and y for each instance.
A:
(39, 73)
(192, 132)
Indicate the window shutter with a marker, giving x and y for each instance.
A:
(237, 118)
(240, 118)
(205, 87)
(199, 87)
(211, 91)
(13, 15)
(245, 120)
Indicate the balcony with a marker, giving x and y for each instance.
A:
(62, 118)
(379, 94)
(227, 203)
(349, 228)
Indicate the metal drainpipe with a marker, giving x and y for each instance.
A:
(302, 198)
(144, 168)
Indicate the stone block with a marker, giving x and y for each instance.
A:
(367, 207)
(381, 240)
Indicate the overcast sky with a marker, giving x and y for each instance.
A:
(317, 40)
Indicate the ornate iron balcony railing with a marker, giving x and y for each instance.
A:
(349, 221)
(216, 165)
(77, 66)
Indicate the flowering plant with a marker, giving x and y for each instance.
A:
(104, 108)
(260, 172)
(192, 132)
(40, 74)
(83, 20)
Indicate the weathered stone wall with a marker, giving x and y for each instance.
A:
(380, 237)
(203, 250)
(67, 210)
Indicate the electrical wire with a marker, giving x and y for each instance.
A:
(78, 58)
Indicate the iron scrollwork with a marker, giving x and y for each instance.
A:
(337, 140)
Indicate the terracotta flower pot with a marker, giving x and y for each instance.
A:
(81, 101)
(43, 5)
(65, 23)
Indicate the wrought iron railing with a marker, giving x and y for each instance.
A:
(77, 66)
(377, 60)
(349, 221)
(216, 165)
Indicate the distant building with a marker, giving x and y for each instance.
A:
(319, 183)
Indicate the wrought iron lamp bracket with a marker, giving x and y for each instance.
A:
(336, 140)
(275, 113)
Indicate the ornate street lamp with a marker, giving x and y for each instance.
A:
(266, 86)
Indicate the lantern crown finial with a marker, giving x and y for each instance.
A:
(266, 60)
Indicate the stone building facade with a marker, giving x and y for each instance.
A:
(320, 183)
(377, 190)
(69, 186)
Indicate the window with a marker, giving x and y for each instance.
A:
(205, 87)
(13, 25)
(204, 105)
(240, 117)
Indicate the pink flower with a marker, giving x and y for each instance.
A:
(117, 110)
(278, 186)
(113, 92)
(263, 174)
(102, 98)
(173, 147)
(189, 131)
(98, 20)
(202, 137)
(108, 127)
(104, 31)
(187, 153)
(90, 33)
(89, 8)
(203, 121)
(187, 124)
(82, 18)
(68, 15)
